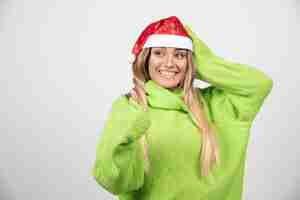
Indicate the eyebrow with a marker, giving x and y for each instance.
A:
(180, 49)
(176, 49)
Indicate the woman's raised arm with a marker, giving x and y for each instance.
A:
(237, 90)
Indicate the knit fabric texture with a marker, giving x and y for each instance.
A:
(231, 102)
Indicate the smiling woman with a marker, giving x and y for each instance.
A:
(166, 139)
(167, 66)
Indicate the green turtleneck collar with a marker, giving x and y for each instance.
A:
(161, 97)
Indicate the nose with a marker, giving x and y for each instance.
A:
(169, 61)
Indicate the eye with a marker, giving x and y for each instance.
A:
(180, 55)
(157, 52)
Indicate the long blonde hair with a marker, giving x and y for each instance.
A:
(209, 149)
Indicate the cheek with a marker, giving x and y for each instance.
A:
(152, 65)
(154, 62)
(183, 67)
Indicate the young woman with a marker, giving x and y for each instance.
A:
(167, 140)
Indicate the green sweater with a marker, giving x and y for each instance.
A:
(231, 103)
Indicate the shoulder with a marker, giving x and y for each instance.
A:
(210, 91)
(207, 94)
(121, 100)
(125, 103)
(215, 104)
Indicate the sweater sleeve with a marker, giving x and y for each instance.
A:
(237, 91)
(119, 164)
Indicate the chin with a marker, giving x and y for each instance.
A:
(168, 83)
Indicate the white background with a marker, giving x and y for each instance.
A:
(63, 62)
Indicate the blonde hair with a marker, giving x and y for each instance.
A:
(209, 149)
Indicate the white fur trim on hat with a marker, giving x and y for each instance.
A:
(167, 40)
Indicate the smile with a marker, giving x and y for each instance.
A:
(167, 74)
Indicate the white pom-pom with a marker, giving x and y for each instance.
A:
(131, 58)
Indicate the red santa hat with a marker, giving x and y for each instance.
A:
(167, 32)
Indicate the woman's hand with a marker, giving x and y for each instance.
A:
(137, 91)
(133, 94)
(201, 52)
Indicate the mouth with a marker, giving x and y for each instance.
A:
(167, 74)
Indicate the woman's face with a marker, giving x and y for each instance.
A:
(167, 66)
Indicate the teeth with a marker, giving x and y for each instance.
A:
(167, 74)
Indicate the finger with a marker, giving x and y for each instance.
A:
(133, 94)
(188, 29)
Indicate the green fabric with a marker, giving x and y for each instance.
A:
(231, 103)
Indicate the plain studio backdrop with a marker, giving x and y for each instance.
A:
(63, 62)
